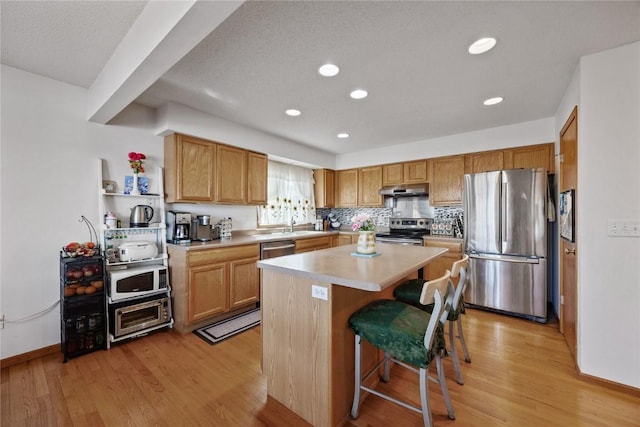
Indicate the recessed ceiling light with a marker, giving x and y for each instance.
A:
(292, 112)
(328, 70)
(343, 135)
(359, 94)
(482, 45)
(493, 101)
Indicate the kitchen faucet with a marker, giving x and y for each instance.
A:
(291, 224)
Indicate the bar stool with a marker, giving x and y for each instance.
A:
(409, 337)
(409, 292)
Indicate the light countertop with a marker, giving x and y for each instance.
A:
(249, 239)
(338, 266)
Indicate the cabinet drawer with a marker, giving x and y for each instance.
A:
(304, 245)
(212, 256)
(455, 247)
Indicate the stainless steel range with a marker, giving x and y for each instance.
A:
(406, 231)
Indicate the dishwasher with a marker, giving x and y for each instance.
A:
(276, 249)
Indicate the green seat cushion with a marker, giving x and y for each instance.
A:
(410, 292)
(398, 329)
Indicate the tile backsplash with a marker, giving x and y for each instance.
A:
(380, 216)
(444, 215)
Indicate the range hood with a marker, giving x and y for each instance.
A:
(405, 191)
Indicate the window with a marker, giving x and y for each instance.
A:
(290, 195)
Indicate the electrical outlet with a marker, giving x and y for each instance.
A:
(319, 292)
(623, 228)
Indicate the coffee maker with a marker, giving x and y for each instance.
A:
(201, 228)
(178, 227)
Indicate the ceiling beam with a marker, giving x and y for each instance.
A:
(163, 34)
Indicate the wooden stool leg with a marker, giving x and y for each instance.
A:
(454, 353)
(358, 380)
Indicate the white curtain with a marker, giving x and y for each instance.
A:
(290, 191)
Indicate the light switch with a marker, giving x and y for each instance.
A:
(319, 292)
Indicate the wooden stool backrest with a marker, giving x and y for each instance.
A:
(432, 293)
(459, 268)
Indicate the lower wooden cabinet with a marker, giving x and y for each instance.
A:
(211, 282)
(347, 239)
(438, 266)
(313, 244)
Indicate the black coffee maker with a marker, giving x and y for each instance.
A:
(178, 227)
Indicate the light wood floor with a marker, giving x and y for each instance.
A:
(521, 375)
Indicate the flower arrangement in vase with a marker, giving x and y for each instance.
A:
(136, 161)
(363, 224)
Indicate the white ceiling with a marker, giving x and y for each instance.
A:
(411, 57)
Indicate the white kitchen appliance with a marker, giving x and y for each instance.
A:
(137, 281)
(136, 251)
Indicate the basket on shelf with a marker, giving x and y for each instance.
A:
(87, 249)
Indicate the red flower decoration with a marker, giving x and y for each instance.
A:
(136, 160)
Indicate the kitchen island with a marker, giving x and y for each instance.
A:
(306, 300)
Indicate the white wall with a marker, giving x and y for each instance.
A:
(609, 188)
(48, 180)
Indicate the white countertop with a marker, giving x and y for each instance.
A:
(338, 266)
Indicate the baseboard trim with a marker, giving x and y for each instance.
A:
(25, 357)
(612, 385)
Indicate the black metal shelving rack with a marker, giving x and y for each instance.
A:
(83, 317)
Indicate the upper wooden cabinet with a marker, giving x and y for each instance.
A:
(532, 156)
(446, 180)
(347, 188)
(369, 183)
(359, 187)
(257, 177)
(484, 162)
(231, 174)
(393, 174)
(325, 188)
(415, 172)
(201, 171)
(189, 164)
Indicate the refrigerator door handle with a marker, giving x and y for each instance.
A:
(506, 258)
(503, 213)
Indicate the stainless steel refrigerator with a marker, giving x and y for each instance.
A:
(506, 240)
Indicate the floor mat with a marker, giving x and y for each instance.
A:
(227, 328)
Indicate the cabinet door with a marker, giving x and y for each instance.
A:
(534, 156)
(325, 188)
(244, 282)
(447, 175)
(347, 188)
(415, 172)
(257, 178)
(207, 291)
(369, 183)
(189, 165)
(485, 162)
(438, 266)
(393, 174)
(344, 239)
(231, 175)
